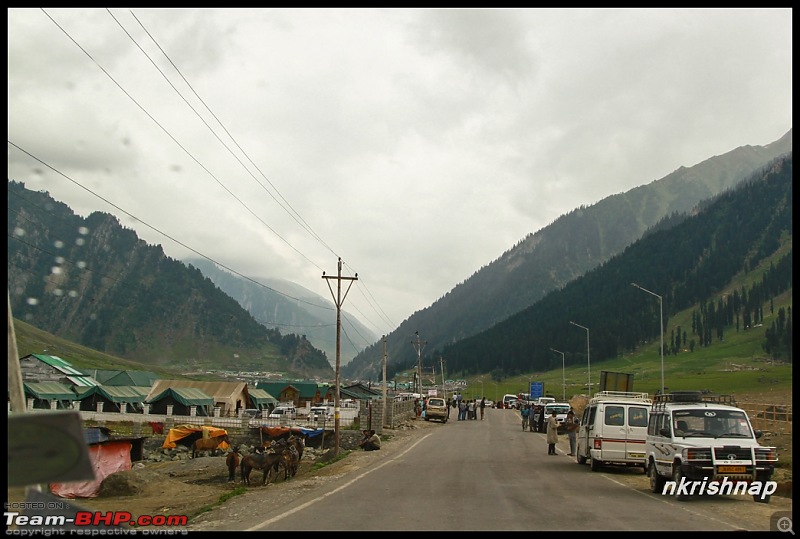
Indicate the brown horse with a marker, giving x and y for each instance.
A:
(260, 461)
(208, 444)
(232, 462)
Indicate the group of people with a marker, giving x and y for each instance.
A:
(467, 409)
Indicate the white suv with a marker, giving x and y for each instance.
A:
(706, 440)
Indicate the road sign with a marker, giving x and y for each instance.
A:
(537, 390)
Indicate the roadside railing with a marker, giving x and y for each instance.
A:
(769, 417)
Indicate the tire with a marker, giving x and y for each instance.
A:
(594, 464)
(677, 475)
(656, 481)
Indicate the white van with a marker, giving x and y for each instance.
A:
(613, 430)
(509, 400)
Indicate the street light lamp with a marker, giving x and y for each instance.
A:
(588, 363)
(661, 327)
(563, 375)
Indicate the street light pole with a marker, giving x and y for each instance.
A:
(661, 327)
(563, 375)
(588, 363)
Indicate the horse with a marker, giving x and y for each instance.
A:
(292, 451)
(260, 461)
(232, 462)
(208, 444)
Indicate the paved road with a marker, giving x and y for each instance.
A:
(491, 476)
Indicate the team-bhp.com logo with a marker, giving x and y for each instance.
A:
(92, 518)
(762, 489)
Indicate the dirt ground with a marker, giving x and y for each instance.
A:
(199, 488)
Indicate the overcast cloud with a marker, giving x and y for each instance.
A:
(416, 144)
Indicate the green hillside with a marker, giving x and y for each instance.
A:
(31, 340)
(736, 365)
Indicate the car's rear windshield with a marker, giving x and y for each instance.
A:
(557, 409)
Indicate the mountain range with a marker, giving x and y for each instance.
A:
(93, 282)
(109, 290)
(548, 259)
(287, 306)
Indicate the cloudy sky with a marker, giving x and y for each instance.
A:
(416, 144)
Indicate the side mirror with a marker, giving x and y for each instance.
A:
(758, 433)
(664, 432)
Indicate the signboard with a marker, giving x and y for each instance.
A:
(616, 381)
(537, 390)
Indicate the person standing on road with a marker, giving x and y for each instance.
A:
(540, 420)
(462, 410)
(571, 426)
(471, 409)
(552, 433)
(526, 414)
(483, 406)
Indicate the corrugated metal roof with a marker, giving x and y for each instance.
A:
(83, 381)
(49, 391)
(58, 363)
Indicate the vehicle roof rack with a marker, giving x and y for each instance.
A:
(693, 397)
(627, 395)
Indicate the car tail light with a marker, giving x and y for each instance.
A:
(598, 443)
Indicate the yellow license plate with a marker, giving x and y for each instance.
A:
(732, 469)
(636, 455)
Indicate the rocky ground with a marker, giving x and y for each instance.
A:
(199, 488)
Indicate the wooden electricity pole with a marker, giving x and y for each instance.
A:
(338, 299)
(385, 400)
(418, 346)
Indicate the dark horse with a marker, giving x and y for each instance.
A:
(260, 461)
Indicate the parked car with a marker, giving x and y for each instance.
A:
(252, 413)
(321, 413)
(509, 400)
(697, 437)
(436, 409)
(283, 413)
(560, 408)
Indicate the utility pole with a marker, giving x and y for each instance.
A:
(444, 387)
(419, 346)
(385, 400)
(338, 299)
